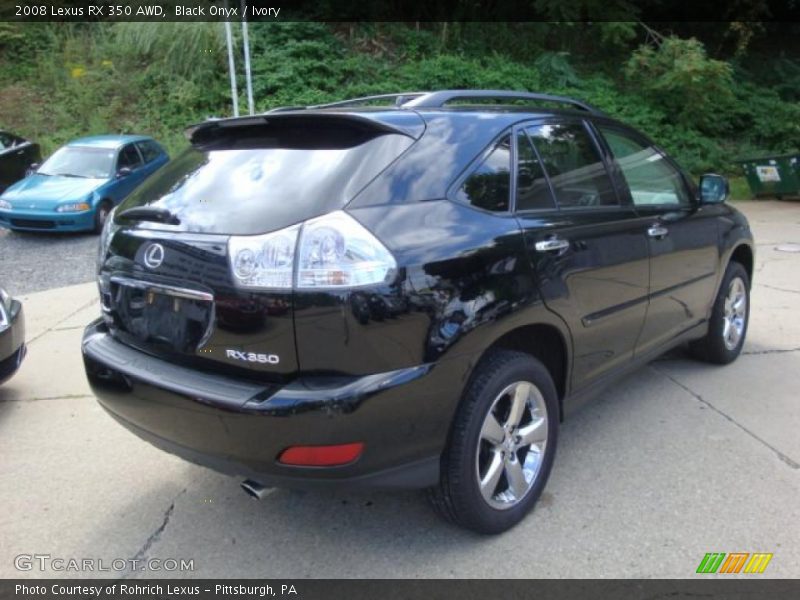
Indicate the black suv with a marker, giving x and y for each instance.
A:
(406, 295)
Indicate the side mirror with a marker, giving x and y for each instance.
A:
(124, 172)
(713, 189)
(32, 169)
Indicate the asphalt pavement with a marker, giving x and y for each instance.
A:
(30, 262)
(675, 461)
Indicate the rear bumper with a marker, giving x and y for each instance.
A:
(240, 427)
(39, 220)
(12, 343)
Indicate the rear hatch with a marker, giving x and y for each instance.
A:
(165, 277)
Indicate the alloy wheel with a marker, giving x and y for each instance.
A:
(734, 313)
(512, 444)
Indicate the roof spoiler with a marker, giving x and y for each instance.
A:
(407, 123)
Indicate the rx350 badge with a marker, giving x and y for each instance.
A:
(253, 357)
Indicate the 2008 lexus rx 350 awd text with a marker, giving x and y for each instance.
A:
(411, 295)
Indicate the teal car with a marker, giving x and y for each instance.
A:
(78, 186)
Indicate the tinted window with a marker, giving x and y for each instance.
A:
(489, 186)
(150, 151)
(651, 179)
(219, 189)
(574, 165)
(533, 193)
(129, 157)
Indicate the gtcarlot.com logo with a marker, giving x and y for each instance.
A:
(46, 562)
(735, 562)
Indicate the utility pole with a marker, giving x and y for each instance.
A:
(246, 44)
(232, 69)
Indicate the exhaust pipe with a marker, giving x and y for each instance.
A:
(255, 489)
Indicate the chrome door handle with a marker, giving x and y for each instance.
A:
(657, 231)
(552, 245)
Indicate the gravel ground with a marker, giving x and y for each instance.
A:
(30, 262)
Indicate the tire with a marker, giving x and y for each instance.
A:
(100, 215)
(727, 327)
(470, 454)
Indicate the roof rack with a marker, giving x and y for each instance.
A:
(441, 98)
(399, 100)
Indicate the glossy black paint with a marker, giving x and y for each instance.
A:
(16, 157)
(387, 365)
(399, 415)
(194, 332)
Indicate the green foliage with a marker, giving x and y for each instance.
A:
(88, 78)
(61, 81)
(556, 69)
(194, 50)
(677, 75)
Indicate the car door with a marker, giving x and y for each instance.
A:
(682, 237)
(128, 158)
(587, 249)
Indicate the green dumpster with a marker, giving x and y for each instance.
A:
(776, 176)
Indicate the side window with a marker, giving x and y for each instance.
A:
(149, 150)
(489, 186)
(129, 157)
(651, 179)
(6, 141)
(574, 165)
(533, 193)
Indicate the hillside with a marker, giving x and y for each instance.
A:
(708, 94)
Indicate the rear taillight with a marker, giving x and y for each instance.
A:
(106, 235)
(264, 261)
(332, 251)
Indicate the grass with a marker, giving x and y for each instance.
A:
(740, 190)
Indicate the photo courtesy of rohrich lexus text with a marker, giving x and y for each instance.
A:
(293, 298)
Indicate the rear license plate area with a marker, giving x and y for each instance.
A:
(154, 315)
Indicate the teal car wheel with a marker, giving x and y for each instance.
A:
(100, 216)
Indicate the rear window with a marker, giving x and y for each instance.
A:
(248, 185)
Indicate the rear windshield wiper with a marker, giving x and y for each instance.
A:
(149, 213)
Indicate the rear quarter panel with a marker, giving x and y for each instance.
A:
(463, 282)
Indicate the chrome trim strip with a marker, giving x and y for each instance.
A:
(159, 288)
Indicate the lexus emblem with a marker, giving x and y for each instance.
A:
(154, 256)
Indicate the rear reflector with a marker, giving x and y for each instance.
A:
(321, 456)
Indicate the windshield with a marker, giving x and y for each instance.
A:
(74, 161)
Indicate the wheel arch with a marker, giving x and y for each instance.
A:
(743, 254)
(547, 343)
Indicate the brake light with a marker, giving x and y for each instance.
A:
(321, 456)
(332, 251)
